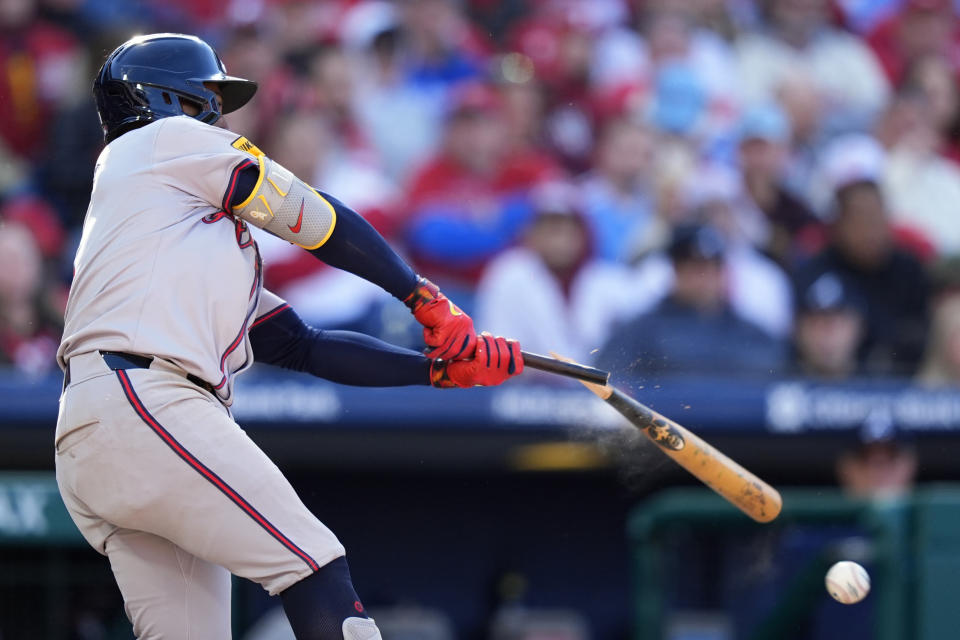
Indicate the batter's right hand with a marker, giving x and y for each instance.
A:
(494, 360)
(446, 329)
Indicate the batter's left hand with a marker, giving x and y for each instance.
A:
(495, 360)
(446, 329)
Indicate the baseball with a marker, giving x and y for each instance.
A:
(847, 582)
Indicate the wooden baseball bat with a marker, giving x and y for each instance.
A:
(565, 368)
(746, 491)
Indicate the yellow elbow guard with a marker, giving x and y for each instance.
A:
(287, 207)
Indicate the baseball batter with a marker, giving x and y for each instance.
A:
(167, 307)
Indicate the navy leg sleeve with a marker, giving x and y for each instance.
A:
(317, 605)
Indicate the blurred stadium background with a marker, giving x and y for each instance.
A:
(747, 210)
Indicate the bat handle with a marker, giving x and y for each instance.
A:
(569, 369)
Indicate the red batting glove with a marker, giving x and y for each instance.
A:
(495, 360)
(447, 329)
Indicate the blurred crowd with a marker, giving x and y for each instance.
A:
(716, 187)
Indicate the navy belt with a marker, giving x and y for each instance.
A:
(118, 360)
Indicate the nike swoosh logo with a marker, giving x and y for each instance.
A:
(296, 228)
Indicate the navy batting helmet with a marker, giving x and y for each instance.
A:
(144, 79)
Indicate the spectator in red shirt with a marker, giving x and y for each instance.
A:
(922, 28)
(561, 48)
(38, 63)
(466, 204)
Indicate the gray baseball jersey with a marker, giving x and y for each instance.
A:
(152, 467)
(160, 269)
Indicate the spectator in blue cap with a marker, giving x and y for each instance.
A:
(764, 138)
(694, 329)
(882, 464)
(679, 100)
(828, 330)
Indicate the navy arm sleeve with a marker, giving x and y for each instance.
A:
(354, 245)
(357, 247)
(281, 338)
